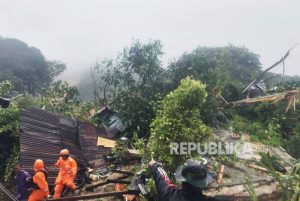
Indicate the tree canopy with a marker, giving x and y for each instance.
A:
(26, 66)
(217, 66)
(131, 83)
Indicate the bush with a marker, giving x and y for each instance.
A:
(292, 145)
(9, 139)
(267, 133)
(178, 120)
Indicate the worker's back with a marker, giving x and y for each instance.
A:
(168, 192)
(185, 195)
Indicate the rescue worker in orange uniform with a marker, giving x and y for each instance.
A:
(39, 188)
(67, 173)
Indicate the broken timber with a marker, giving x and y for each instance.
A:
(261, 76)
(119, 180)
(290, 96)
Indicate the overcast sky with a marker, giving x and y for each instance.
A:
(78, 32)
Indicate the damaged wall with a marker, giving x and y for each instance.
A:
(44, 134)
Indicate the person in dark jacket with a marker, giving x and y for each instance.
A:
(194, 177)
(22, 177)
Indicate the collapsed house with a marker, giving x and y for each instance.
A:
(43, 134)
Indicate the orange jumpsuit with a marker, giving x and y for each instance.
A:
(66, 175)
(39, 179)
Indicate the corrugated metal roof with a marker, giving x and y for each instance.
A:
(88, 142)
(110, 120)
(44, 134)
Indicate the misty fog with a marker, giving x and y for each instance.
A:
(79, 33)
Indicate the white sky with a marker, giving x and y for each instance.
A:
(78, 32)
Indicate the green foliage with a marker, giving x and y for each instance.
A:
(234, 65)
(9, 139)
(119, 150)
(265, 134)
(262, 121)
(140, 144)
(240, 124)
(278, 83)
(269, 123)
(296, 195)
(137, 113)
(178, 120)
(131, 84)
(14, 157)
(259, 131)
(27, 102)
(26, 67)
(60, 98)
(63, 99)
(288, 85)
(226, 70)
(289, 183)
(292, 145)
(5, 88)
(9, 121)
(55, 68)
(250, 188)
(137, 69)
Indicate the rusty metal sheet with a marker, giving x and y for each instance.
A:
(44, 134)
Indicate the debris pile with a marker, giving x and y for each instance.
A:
(243, 165)
(44, 134)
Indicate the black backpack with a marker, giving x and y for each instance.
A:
(32, 185)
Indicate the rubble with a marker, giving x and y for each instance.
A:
(235, 172)
(44, 134)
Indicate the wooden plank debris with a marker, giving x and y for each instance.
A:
(290, 96)
(96, 195)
